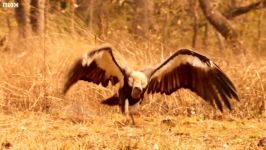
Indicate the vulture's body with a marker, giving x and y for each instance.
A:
(184, 69)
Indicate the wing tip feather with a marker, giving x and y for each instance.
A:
(72, 77)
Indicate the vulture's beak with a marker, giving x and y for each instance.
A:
(136, 92)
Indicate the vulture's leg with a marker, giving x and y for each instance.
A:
(127, 109)
(113, 100)
(128, 114)
(132, 118)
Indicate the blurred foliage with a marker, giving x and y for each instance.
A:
(164, 21)
(168, 22)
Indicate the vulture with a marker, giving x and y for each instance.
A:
(183, 69)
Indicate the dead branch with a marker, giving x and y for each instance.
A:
(237, 11)
(222, 25)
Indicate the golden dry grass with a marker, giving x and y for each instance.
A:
(35, 115)
(29, 130)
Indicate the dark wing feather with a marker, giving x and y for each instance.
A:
(97, 66)
(113, 100)
(191, 70)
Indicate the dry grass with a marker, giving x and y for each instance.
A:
(29, 130)
(35, 115)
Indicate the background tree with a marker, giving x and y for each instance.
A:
(195, 16)
(235, 11)
(140, 17)
(37, 15)
(222, 25)
(21, 18)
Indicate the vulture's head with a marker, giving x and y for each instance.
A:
(138, 81)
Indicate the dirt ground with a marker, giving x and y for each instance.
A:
(30, 130)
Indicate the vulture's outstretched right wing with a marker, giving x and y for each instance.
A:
(97, 66)
(191, 70)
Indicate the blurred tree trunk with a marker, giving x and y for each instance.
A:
(260, 18)
(96, 15)
(86, 11)
(222, 25)
(140, 22)
(194, 13)
(73, 6)
(37, 15)
(138, 18)
(21, 18)
(91, 9)
(9, 26)
(166, 24)
(103, 24)
(205, 36)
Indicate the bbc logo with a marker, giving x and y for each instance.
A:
(10, 5)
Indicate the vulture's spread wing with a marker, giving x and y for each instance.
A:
(188, 69)
(97, 66)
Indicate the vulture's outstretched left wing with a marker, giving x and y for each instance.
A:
(191, 70)
(97, 66)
